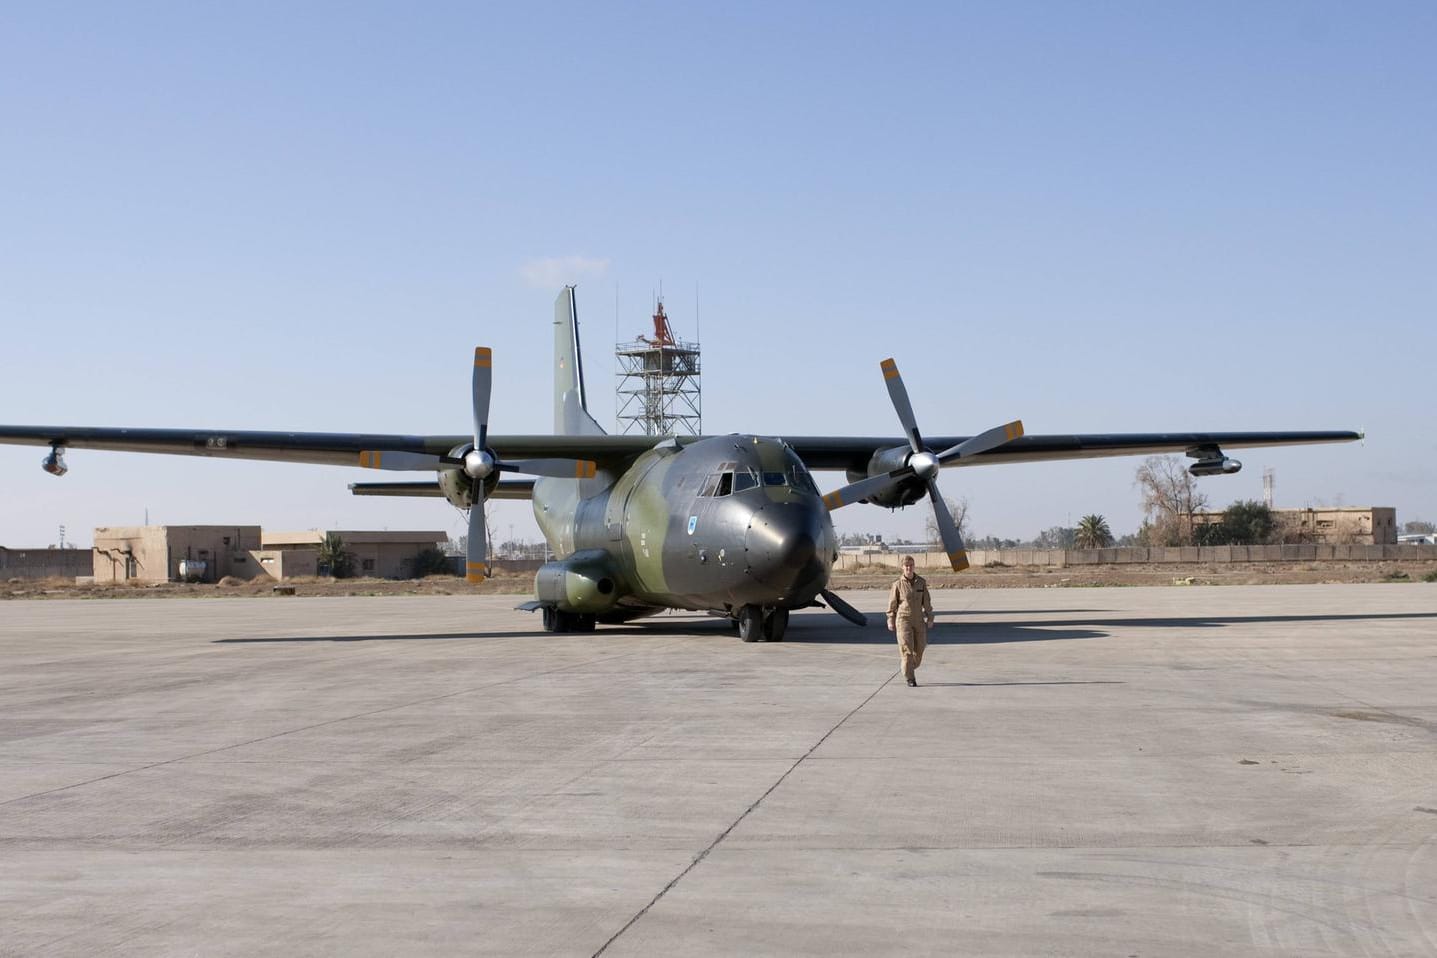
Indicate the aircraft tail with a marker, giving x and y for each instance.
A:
(571, 409)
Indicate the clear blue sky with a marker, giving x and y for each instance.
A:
(1095, 217)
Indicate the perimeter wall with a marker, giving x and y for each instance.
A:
(1147, 555)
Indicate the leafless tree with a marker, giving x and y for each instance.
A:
(959, 510)
(1170, 497)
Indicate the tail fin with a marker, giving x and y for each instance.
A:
(571, 409)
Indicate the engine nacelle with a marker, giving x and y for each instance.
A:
(456, 485)
(586, 581)
(887, 460)
(1222, 466)
(54, 463)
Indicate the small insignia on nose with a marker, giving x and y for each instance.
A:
(693, 524)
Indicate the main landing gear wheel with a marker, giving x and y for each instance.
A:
(750, 623)
(774, 625)
(557, 620)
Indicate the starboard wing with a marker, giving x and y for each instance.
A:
(839, 452)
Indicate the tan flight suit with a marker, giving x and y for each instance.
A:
(911, 609)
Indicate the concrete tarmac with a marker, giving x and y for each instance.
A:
(1176, 771)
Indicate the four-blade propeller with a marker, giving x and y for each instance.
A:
(478, 463)
(923, 465)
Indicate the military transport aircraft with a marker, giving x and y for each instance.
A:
(732, 524)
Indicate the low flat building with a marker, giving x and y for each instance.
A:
(379, 555)
(1339, 525)
(209, 553)
(171, 553)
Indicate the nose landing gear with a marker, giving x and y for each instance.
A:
(756, 623)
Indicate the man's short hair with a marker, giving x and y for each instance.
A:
(907, 560)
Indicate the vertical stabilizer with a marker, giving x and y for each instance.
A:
(571, 409)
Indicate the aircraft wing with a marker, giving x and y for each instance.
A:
(839, 452)
(325, 448)
(818, 452)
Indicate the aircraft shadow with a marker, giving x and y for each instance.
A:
(1050, 630)
(960, 685)
(1220, 621)
(839, 632)
(717, 628)
(829, 629)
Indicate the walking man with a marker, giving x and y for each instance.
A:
(910, 615)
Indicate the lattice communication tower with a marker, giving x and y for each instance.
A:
(658, 391)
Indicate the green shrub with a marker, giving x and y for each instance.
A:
(432, 561)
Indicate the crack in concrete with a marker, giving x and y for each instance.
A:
(735, 823)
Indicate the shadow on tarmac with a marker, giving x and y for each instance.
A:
(826, 628)
(960, 685)
(696, 629)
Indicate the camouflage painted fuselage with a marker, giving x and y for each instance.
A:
(766, 540)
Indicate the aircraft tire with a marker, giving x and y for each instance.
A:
(750, 623)
(774, 625)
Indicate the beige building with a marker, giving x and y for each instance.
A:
(170, 553)
(209, 553)
(1367, 525)
(379, 555)
(1356, 525)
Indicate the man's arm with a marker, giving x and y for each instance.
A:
(892, 607)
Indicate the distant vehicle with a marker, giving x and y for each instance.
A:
(1418, 539)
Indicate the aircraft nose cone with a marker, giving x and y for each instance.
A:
(782, 548)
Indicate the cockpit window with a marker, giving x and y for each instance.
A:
(775, 479)
(725, 484)
(744, 479)
(799, 478)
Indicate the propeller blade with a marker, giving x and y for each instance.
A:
(476, 562)
(863, 488)
(948, 530)
(483, 386)
(899, 394)
(992, 439)
(555, 468)
(844, 609)
(400, 461)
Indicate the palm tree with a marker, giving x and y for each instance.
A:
(334, 558)
(1093, 533)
